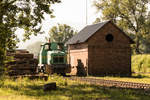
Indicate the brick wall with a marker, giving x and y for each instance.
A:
(100, 57)
(109, 57)
(78, 52)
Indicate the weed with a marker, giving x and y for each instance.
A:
(25, 89)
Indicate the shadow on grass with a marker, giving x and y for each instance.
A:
(140, 76)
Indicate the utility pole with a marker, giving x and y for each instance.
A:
(86, 25)
(86, 12)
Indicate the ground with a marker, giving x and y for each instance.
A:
(142, 78)
(25, 89)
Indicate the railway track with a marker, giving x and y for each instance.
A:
(100, 82)
(112, 83)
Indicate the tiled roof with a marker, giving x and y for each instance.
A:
(87, 32)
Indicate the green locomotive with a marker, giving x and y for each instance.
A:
(53, 59)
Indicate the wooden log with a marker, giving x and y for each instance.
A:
(23, 55)
(33, 61)
(22, 68)
(50, 86)
(23, 64)
(21, 72)
(22, 51)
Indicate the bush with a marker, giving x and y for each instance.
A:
(141, 63)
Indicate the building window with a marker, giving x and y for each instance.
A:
(109, 37)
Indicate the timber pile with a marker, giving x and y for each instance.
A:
(23, 63)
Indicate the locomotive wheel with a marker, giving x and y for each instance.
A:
(48, 69)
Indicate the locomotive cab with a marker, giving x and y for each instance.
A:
(53, 59)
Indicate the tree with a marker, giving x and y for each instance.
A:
(61, 33)
(25, 14)
(132, 16)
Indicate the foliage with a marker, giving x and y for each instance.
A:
(141, 63)
(130, 15)
(61, 33)
(25, 14)
(26, 89)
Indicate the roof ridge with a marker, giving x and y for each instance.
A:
(86, 32)
(98, 23)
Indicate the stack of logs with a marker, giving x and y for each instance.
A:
(23, 63)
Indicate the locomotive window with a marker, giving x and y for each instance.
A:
(61, 59)
(46, 47)
(109, 37)
(58, 59)
(60, 47)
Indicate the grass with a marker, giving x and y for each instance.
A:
(25, 89)
(141, 63)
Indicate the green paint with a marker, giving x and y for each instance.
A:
(59, 58)
(54, 46)
(57, 53)
(44, 56)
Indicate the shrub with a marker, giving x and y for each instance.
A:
(141, 63)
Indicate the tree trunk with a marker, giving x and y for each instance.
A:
(2, 47)
(2, 59)
(137, 49)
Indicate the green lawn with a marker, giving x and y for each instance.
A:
(25, 89)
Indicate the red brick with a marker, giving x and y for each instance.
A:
(101, 57)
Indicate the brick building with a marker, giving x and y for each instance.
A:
(101, 49)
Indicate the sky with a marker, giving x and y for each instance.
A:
(70, 12)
